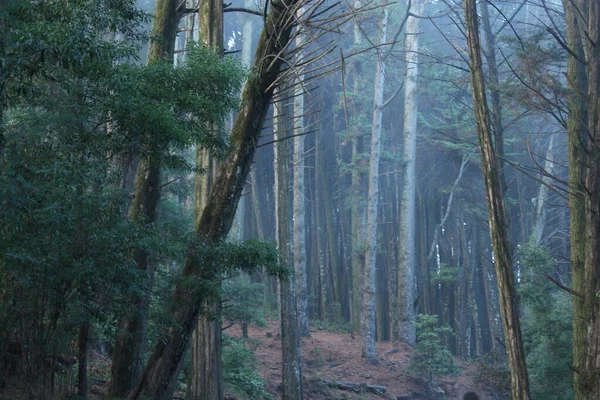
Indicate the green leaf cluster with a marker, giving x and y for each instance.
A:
(73, 102)
(245, 301)
(239, 371)
(431, 358)
(547, 327)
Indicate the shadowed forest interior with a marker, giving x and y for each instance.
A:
(300, 199)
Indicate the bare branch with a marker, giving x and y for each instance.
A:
(563, 287)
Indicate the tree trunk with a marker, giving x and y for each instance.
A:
(497, 214)
(577, 122)
(358, 215)
(540, 206)
(290, 335)
(407, 258)
(299, 219)
(164, 364)
(368, 327)
(591, 368)
(82, 359)
(496, 111)
(206, 377)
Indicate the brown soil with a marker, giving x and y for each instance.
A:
(325, 356)
(337, 357)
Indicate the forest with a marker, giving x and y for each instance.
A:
(300, 199)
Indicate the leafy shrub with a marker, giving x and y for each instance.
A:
(547, 328)
(239, 371)
(245, 302)
(431, 358)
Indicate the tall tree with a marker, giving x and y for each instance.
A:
(407, 251)
(591, 368)
(358, 214)
(577, 122)
(128, 364)
(299, 219)
(164, 363)
(368, 327)
(206, 380)
(496, 213)
(290, 335)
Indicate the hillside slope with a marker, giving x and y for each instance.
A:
(336, 357)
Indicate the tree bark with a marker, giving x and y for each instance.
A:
(299, 208)
(591, 370)
(540, 206)
(577, 122)
(82, 360)
(497, 214)
(368, 327)
(290, 335)
(164, 364)
(358, 212)
(407, 252)
(496, 109)
(206, 377)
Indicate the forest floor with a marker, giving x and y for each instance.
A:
(337, 357)
(326, 356)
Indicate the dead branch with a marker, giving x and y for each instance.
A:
(563, 287)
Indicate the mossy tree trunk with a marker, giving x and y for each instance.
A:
(576, 132)
(206, 378)
(162, 368)
(129, 347)
(591, 368)
(496, 214)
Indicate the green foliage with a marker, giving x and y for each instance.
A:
(446, 274)
(186, 108)
(239, 371)
(431, 358)
(245, 301)
(72, 101)
(547, 327)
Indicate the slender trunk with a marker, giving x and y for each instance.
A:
(407, 258)
(494, 85)
(576, 132)
(290, 335)
(163, 366)
(540, 206)
(368, 326)
(82, 359)
(299, 219)
(497, 215)
(358, 216)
